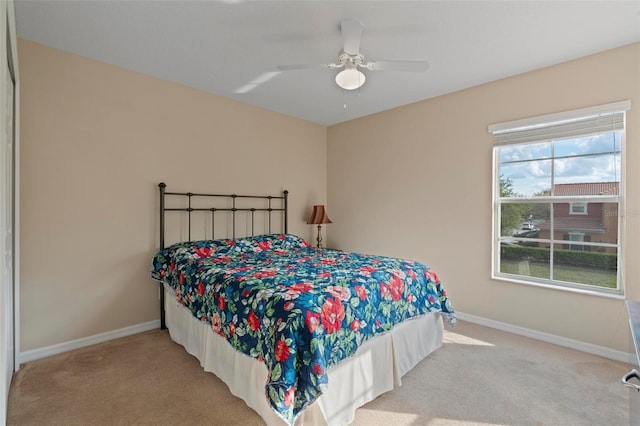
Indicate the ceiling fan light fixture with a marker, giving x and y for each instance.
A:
(350, 79)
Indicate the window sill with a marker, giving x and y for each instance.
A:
(614, 294)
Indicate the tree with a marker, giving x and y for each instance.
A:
(506, 187)
(541, 211)
(510, 214)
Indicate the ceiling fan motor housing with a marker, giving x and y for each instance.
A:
(351, 61)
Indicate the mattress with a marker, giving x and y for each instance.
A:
(301, 311)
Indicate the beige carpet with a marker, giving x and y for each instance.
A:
(479, 376)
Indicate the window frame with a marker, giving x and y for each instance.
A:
(541, 122)
(572, 211)
(573, 242)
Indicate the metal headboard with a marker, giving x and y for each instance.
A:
(189, 197)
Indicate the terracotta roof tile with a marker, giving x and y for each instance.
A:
(591, 188)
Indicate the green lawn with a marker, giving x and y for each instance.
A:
(575, 274)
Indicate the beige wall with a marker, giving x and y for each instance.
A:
(416, 182)
(96, 140)
(412, 182)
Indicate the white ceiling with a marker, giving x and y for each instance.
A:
(221, 46)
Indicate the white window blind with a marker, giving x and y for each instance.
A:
(587, 121)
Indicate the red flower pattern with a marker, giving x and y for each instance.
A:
(265, 273)
(264, 245)
(361, 292)
(332, 315)
(301, 287)
(385, 291)
(312, 320)
(290, 396)
(368, 270)
(253, 321)
(396, 287)
(203, 252)
(342, 293)
(282, 351)
(216, 323)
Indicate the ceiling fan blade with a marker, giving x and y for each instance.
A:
(260, 79)
(303, 66)
(406, 66)
(351, 35)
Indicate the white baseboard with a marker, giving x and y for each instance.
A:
(33, 354)
(626, 357)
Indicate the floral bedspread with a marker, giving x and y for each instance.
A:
(296, 308)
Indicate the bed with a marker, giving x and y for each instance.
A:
(303, 335)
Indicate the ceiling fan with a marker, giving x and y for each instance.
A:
(351, 60)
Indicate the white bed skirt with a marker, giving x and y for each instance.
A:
(377, 367)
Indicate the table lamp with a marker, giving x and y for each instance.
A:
(319, 217)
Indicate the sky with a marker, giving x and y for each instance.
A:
(533, 168)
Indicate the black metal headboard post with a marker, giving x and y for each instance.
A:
(233, 209)
(162, 187)
(285, 194)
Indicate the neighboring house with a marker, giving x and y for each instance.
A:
(584, 222)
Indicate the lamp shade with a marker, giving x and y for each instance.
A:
(350, 79)
(318, 216)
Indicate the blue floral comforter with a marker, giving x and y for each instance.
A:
(296, 308)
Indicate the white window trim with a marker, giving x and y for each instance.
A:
(578, 213)
(504, 127)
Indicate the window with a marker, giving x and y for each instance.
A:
(576, 236)
(577, 208)
(557, 193)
